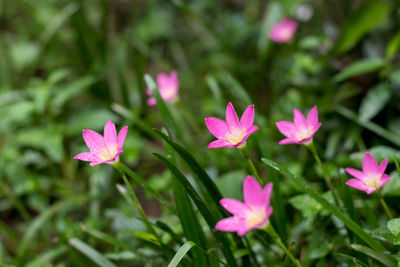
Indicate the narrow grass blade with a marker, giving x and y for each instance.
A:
(300, 182)
(205, 212)
(199, 172)
(45, 259)
(369, 125)
(91, 253)
(182, 251)
(189, 221)
(387, 260)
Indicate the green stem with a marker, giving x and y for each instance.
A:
(386, 208)
(136, 200)
(251, 164)
(272, 233)
(326, 178)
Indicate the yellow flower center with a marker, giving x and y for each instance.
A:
(373, 181)
(236, 138)
(255, 217)
(107, 155)
(304, 133)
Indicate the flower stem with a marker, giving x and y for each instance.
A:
(272, 233)
(386, 208)
(135, 200)
(251, 164)
(326, 178)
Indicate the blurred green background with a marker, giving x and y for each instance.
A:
(71, 65)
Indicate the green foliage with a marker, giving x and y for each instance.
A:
(66, 66)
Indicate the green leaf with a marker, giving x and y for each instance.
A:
(374, 101)
(394, 226)
(198, 171)
(369, 125)
(393, 47)
(165, 112)
(387, 260)
(188, 218)
(181, 253)
(91, 253)
(369, 16)
(358, 68)
(300, 182)
(203, 208)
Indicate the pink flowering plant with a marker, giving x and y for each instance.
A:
(253, 213)
(372, 177)
(232, 132)
(103, 149)
(168, 87)
(301, 130)
(283, 31)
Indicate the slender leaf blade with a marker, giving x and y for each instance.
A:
(91, 253)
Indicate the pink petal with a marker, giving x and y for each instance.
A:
(110, 134)
(267, 192)
(356, 173)
(369, 165)
(286, 128)
(253, 193)
(121, 137)
(288, 141)
(86, 156)
(315, 128)
(151, 101)
(250, 132)
(383, 165)
(312, 117)
(148, 92)
(357, 184)
(220, 143)
(217, 127)
(94, 141)
(231, 118)
(230, 224)
(299, 120)
(94, 163)
(234, 206)
(244, 230)
(174, 80)
(385, 178)
(247, 119)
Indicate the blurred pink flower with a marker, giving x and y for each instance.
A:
(302, 130)
(372, 176)
(284, 31)
(168, 86)
(103, 149)
(253, 213)
(232, 133)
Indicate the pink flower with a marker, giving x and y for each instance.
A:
(284, 31)
(168, 86)
(302, 130)
(372, 176)
(253, 213)
(232, 133)
(103, 149)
